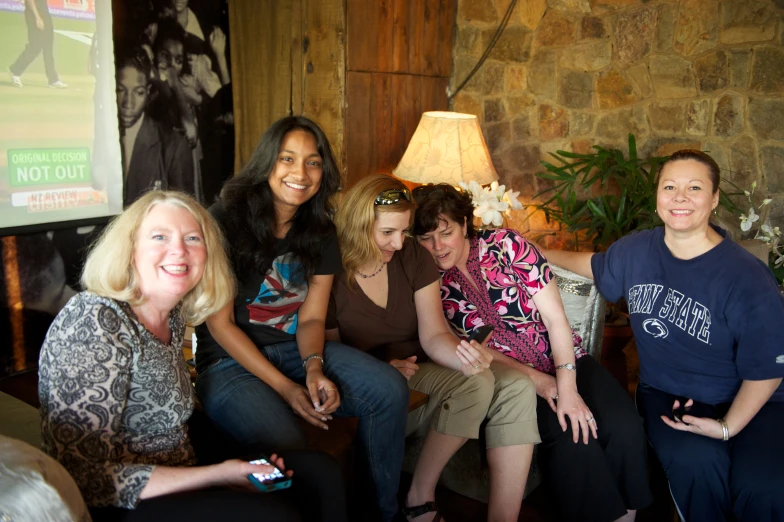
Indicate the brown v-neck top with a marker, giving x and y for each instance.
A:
(391, 332)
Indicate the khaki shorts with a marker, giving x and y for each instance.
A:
(501, 398)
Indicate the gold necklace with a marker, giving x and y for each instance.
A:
(374, 274)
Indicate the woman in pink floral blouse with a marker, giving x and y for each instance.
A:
(596, 469)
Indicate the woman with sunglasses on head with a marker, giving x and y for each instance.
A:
(262, 360)
(706, 316)
(386, 302)
(495, 277)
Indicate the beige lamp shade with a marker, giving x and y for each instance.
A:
(447, 147)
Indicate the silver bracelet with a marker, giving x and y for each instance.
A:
(567, 366)
(308, 358)
(724, 429)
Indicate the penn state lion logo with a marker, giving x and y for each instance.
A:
(655, 328)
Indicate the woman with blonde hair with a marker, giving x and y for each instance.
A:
(387, 302)
(114, 389)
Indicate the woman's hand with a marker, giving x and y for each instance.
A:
(323, 392)
(699, 425)
(571, 405)
(407, 366)
(234, 472)
(546, 388)
(475, 358)
(298, 398)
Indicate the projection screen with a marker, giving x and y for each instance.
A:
(60, 157)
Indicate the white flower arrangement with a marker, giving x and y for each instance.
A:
(491, 201)
(766, 233)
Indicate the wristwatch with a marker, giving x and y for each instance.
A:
(567, 366)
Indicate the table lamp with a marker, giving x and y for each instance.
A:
(447, 147)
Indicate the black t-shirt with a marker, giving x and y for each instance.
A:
(266, 306)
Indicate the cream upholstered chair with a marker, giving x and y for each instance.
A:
(33, 486)
(466, 473)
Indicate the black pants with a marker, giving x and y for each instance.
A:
(601, 480)
(710, 479)
(317, 493)
(38, 40)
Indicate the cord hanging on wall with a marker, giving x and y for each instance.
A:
(493, 41)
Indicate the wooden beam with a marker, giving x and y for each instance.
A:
(324, 77)
(260, 35)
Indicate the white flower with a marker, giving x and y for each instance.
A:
(489, 209)
(472, 187)
(497, 191)
(489, 202)
(511, 198)
(746, 222)
(766, 201)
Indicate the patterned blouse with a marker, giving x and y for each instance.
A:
(508, 271)
(114, 399)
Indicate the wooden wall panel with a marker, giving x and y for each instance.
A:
(400, 36)
(261, 62)
(324, 70)
(365, 70)
(382, 114)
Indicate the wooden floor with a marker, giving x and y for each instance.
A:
(539, 506)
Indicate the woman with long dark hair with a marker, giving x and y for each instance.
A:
(263, 361)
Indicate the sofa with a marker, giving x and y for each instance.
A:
(466, 473)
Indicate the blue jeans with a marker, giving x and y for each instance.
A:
(251, 415)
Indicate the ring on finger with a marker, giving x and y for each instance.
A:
(591, 419)
(475, 366)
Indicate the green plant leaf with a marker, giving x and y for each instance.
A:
(608, 215)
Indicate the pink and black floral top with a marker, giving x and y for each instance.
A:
(508, 271)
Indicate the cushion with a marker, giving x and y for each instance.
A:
(34, 487)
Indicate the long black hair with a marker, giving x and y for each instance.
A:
(248, 204)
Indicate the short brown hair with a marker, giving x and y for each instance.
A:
(434, 201)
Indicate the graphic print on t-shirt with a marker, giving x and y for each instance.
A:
(281, 294)
(684, 312)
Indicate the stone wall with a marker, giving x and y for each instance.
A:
(568, 74)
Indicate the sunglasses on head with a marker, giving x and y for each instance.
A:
(423, 192)
(392, 196)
